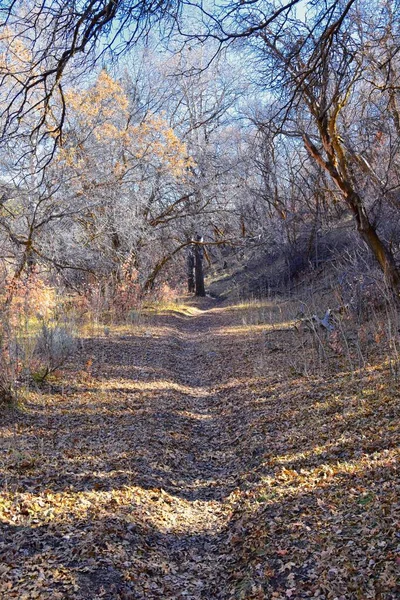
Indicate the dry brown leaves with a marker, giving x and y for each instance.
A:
(186, 458)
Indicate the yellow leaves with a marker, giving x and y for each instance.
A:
(287, 474)
(108, 131)
(154, 139)
(109, 88)
(69, 156)
(15, 56)
(100, 116)
(119, 169)
(105, 99)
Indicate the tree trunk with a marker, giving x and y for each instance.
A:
(367, 231)
(382, 254)
(191, 270)
(198, 263)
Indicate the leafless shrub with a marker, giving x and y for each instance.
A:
(54, 345)
(6, 391)
(8, 366)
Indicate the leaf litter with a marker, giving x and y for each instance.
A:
(185, 458)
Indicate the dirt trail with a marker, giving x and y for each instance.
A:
(192, 540)
(185, 458)
(197, 538)
(135, 451)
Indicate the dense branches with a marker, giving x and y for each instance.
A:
(302, 130)
(47, 39)
(39, 40)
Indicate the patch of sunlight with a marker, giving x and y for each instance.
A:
(249, 328)
(173, 307)
(379, 367)
(373, 371)
(129, 332)
(259, 384)
(249, 304)
(291, 483)
(198, 416)
(29, 327)
(24, 508)
(154, 507)
(158, 385)
(7, 434)
(315, 451)
(172, 513)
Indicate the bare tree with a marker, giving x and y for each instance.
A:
(315, 68)
(52, 38)
(42, 41)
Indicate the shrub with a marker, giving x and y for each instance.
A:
(6, 390)
(53, 346)
(9, 363)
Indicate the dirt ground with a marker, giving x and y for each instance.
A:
(187, 457)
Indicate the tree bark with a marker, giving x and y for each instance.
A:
(382, 254)
(191, 271)
(365, 228)
(198, 264)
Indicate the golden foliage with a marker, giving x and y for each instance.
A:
(15, 56)
(102, 113)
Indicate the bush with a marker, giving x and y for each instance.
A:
(9, 367)
(6, 391)
(53, 346)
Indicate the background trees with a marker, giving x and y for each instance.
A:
(315, 69)
(262, 126)
(324, 80)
